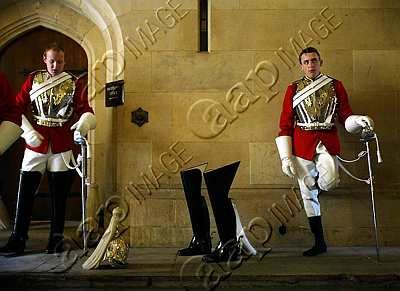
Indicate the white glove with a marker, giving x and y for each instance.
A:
(30, 135)
(284, 145)
(288, 167)
(86, 122)
(355, 123)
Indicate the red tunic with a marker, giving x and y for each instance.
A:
(8, 109)
(305, 141)
(60, 138)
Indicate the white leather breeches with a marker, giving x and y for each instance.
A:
(37, 162)
(322, 173)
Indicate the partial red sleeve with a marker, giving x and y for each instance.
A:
(8, 109)
(344, 110)
(81, 103)
(23, 98)
(286, 123)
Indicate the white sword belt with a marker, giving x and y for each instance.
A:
(50, 122)
(315, 125)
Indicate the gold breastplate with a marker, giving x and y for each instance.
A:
(52, 105)
(317, 110)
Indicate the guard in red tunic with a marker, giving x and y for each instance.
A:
(57, 100)
(308, 141)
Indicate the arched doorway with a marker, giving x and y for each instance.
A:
(95, 26)
(17, 59)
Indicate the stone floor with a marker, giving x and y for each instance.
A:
(342, 268)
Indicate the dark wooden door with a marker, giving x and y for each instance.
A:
(17, 59)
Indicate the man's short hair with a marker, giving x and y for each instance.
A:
(309, 50)
(54, 47)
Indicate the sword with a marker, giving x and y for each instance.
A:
(81, 168)
(83, 143)
(368, 135)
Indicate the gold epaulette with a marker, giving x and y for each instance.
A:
(297, 82)
(39, 76)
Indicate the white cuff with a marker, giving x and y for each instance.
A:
(284, 145)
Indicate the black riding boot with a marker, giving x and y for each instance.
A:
(60, 186)
(198, 212)
(319, 245)
(28, 185)
(219, 182)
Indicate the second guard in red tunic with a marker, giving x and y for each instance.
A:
(308, 142)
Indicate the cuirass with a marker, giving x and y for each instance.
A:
(52, 100)
(317, 110)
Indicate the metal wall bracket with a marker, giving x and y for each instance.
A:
(139, 116)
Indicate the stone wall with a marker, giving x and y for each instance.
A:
(176, 83)
(254, 44)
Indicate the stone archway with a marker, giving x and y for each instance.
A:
(94, 25)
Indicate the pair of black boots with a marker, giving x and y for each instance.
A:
(218, 183)
(59, 186)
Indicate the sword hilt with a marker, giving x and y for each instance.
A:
(367, 134)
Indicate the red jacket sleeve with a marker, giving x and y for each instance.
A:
(8, 109)
(286, 123)
(81, 103)
(344, 109)
(23, 98)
